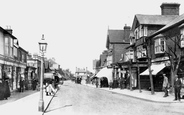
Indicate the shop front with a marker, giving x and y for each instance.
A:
(157, 70)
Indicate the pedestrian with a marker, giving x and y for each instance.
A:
(165, 85)
(110, 84)
(122, 82)
(21, 84)
(56, 80)
(34, 82)
(1, 90)
(6, 86)
(49, 89)
(96, 82)
(177, 87)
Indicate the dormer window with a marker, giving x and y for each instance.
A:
(160, 46)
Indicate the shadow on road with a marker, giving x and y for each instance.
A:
(58, 108)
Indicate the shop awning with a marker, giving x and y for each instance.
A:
(105, 72)
(155, 69)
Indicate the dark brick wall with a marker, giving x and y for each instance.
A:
(170, 9)
(118, 50)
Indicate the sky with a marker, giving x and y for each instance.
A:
(75, 30)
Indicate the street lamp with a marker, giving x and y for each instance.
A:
(42, 48)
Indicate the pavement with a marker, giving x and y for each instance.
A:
(27, 102)
(143, 95)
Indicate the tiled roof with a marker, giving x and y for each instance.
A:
(118, 36)
(153, 19)
(103, 59)
(176, 22)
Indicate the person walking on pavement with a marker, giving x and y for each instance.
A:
(7, 88)
(177, 87)
(21, 83)
(122, 82)
(165, 85)
(49, 89)
(96, 83)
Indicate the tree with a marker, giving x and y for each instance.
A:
(173, 51)
(148, 48)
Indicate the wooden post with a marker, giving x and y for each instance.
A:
(138, 72)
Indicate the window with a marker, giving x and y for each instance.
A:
(145, 31)
(182, 37)
(136, 33)
(23, 57)
(182, 40)
(15, 51)
(141, 31)
(0, 73)
(141, 52)
(129, 55)
(6, 46)
(160, 46)
(11, 47)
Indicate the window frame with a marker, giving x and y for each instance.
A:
(182, 38)
(6, 43)
(158, 46)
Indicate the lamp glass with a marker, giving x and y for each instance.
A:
(43, 44)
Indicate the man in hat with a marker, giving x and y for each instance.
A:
(165, 85)
(177, 87)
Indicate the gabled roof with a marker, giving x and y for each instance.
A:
(118, 36)
(152, 19)
(176, 22)
(115, 36)
(103, 59)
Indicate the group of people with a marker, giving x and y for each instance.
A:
(122, 82)
(51, 85)
(78, 80)
(177, 87)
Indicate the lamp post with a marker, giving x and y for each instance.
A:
(42, 48)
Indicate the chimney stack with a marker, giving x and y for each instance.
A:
(126, 27)
(9, 30)
(170, 9)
